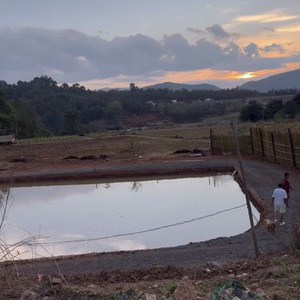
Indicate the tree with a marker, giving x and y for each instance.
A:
(290, 110)
(296, 99)
(272, 108)
(71, 122)
(44, 82)
(6, 117)
(25, 122)
(252, 112)
(113, 112)
(133, 87)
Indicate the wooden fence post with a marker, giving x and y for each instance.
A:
(292, 148)
(245, 190)
(251, 141)
(273, 146)
(261, 143)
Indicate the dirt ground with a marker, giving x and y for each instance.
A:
(138, 274)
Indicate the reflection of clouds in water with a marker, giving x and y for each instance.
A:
(19, 244)
(95, 210)
(70, 236)
(22, 245)
(33, 248)
(24, 195)
(125, 245)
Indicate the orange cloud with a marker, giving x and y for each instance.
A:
(197, 76)
(289, 40)
(273, 16)
(291, 28)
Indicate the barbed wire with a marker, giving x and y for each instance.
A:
(140, 231)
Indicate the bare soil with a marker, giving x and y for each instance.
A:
(158, 271)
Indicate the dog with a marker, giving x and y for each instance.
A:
(270, 225)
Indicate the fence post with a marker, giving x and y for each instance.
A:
(292, 148)
(261, 143)
(273, 146)
(251, 141)
(245, 190)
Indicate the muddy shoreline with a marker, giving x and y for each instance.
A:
(92, 171)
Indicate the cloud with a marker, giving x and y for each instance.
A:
(252, 50)
(218, 32)
(270, 17)
(71, 56)
(125, 245)
(268, 29)
(273, 48)
(196, 30)
(291, 28)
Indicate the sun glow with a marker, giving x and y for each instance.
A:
(247, 75)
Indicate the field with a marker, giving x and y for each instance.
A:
(276, 275)
(115, 146)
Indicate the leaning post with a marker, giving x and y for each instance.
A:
(245, 189)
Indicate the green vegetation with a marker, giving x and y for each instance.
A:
(255, 111)
(43, 108)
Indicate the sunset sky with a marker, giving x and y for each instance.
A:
(110, 43)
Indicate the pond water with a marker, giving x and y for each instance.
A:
(84, 218)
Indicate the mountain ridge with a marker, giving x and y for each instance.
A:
(281, 81)
(180, 86)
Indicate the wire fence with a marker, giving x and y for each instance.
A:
(224, 144)
(280, 147)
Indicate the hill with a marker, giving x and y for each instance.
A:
(180, 86)
(282, 81)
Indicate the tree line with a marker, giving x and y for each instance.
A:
(41, 107)
(275, 109)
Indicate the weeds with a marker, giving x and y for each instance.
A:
(280, 261)
(9, 253)
(295, 237)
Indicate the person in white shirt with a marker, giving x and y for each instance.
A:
(279, 201)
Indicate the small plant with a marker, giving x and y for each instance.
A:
(171, 287)
(279, 261)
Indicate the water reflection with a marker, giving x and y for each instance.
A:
(71, 219)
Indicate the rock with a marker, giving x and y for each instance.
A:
(56, 280)
(234, 290)
(185, 290)
(150, 297)
(28, 295)
(242, 275)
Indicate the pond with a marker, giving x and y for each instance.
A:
(100, 217)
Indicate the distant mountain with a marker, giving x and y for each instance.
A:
(179, 86)
(287, 80)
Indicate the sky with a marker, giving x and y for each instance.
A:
(112, 43)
